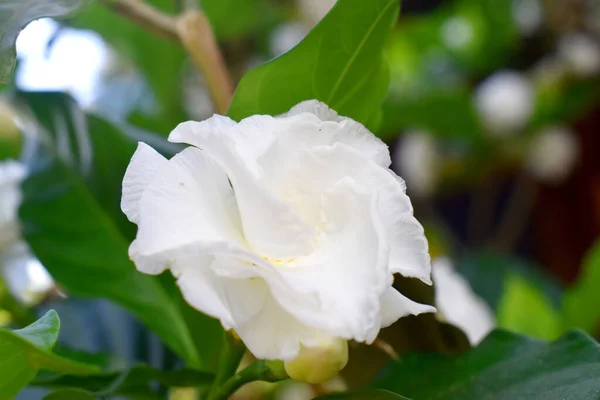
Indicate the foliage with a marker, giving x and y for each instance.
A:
(15, 15)
(504, 366)
(352, 56)
(25, 351)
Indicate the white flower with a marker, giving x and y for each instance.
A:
(417, 159)
(505, 102)
(11, 174)
(580, 53)
(458, 304)
(287, 229)
(552, 154)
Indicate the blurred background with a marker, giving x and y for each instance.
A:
(491, 117)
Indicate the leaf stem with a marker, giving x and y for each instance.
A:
(232, 353)
(262, 370)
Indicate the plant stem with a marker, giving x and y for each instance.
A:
(262, 370)
(193, 30)
(197, 37)
(146, 16)
(233, 350)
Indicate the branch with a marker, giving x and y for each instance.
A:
(198, 39)
(146, 16)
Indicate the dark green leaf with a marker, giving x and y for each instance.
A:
(134, 381)
(488, 271)
(504, 366)
(69, 216)
(15, 15)
(367, 395)
(25, 351)
(339, 62)
(70, 394)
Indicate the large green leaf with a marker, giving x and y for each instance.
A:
(25, 351)
(69, 219)
(504, 366)
(339, 62)
(366, 395)
(15, 15)
(135, 382)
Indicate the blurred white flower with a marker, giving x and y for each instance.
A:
(25, 277)
(11, 175)
(287, 229)
(286, 36)
(529, 15)
(314, 10)
(552, 154)
(457, 303)
(417, 159)
(581, 54)
(457, 32)
(505, 102)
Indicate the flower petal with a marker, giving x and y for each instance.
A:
(272, 228)
(141, 170)
(302, 182)
(273, 333)
(189, 201)
(394, 306)
(352, 133)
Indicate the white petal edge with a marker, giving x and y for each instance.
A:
(188, 201)
(394, 305)
(142, 168)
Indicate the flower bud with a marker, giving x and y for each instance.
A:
(580, 53)
(552, 155)
(320, 363)
(505, 102)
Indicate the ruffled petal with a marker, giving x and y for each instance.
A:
(272, 228)
(273, 333)
(350, 133)
(394, 306)
(188, 201)
(141, 170)
(318, 169)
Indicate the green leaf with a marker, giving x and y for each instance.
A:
(366, 395)
(505, 366)
(135, 381)
(69, 219)
(234, 19)
(15, 15)
(525, 309)
(70, 394)
(421, 333)
(339, 62)
(488, 271)
(25, 351)
(579, 308)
